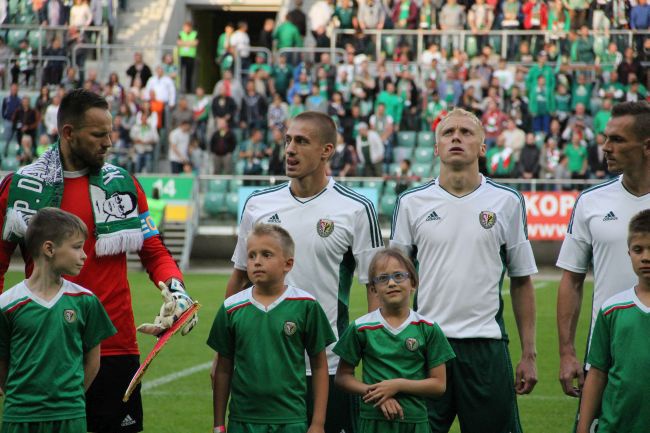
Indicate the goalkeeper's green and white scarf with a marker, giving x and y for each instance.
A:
(112, 192)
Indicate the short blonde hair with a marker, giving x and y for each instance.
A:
(281, 235)
(464, 113)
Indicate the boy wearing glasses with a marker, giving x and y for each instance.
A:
(403, 353)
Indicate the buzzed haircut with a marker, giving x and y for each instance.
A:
(281, 235)
(639, 224)
(640, 110)
(326, 128)
(74, 105)
(460, 112)
(52, 224)
(397, 254)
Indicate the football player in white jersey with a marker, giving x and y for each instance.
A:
(335, 231)
(465, 231)
(597, 232)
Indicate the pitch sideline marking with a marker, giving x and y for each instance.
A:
(174, 376)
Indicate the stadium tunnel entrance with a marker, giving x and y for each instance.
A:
(210, 24)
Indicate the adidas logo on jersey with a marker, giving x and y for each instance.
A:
(127, 421)
(433, 216)
(610, 216)
(275, 219)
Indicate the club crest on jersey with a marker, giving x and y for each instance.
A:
(290, 328)
(324, 227)
(70, 316)
(412, 344)
(487, 219)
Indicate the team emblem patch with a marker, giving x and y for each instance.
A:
(70, 316)
(487, 219)
(290, 328)
(412, 344)
(324, 227)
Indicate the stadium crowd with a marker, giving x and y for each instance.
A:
(544, 106)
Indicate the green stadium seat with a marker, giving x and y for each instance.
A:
(12, 150)
(239, 167)
(353, 183)
(235, 184)
(14, 37)
(390, 185)
(9, 164)
(387, 204)
(424, 155)
(406, 138)
(426, 139)
(421, 170)
(232, 203)
(36, 38)
(218, 185)
(213, 204)
(239, 134)
(377, 185)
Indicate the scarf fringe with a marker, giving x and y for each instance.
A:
(14, 224)
(119, 242)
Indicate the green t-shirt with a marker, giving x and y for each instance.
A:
(394, 105)
(581, 93)
(287, 35)
(268, 348)
(282, 75)
(221, 45)
(600, 120)
(256, 66)
(408, 352)
(345, 16)
(619, 347)
(44, 343)
(576, 157)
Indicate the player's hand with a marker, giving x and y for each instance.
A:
(182, 302)
(570, 370)
(526, 375)
(392, 409)
(164, 319)
(382, 391)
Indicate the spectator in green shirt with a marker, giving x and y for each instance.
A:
(602, 116)
(576, 152)
(394, 103)
(582, 49)
(581, 92)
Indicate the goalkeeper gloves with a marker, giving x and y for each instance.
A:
(175, 302)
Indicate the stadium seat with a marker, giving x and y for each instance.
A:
(424, 155)
(374, 184)
(422, 170)
(239, 134)
(36, 39)
(239, 167)
(390, 185)
(213, 204)
(352, 183)
(401, 153)
(387, 204)
(14, 37)
(232, 203)
(435, 169)
(235, 184)
(426, 139)
(406, 138)
(218, 185)
(9, 164)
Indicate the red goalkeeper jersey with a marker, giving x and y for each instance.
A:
(105, 276)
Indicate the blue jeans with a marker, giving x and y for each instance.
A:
(143, 162)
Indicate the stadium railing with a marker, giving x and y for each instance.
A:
(39, 63)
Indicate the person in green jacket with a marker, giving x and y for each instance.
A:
(287, 35)
(393, 102)
(541, 103)
(188, 40)
(581, 92)
(157, 208)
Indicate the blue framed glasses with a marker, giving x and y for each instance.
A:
(398, 277)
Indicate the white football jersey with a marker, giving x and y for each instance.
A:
(463, 246)
(335, 232)
(597, 235)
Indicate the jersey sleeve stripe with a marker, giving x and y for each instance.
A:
(369, 327)
(17, 305)
(375, 234)
(399, 201)
(521, 202)
(587, 191)
(300, 298)
(77, 294)
(262, 192)
(618, 307)
(238, 306)
(421, 322)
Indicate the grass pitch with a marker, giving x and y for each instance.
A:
(176, 389)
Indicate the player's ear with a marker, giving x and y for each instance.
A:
(66, 131)
(328, 151)
(288, 264)
(483, 149)
(47, 249)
